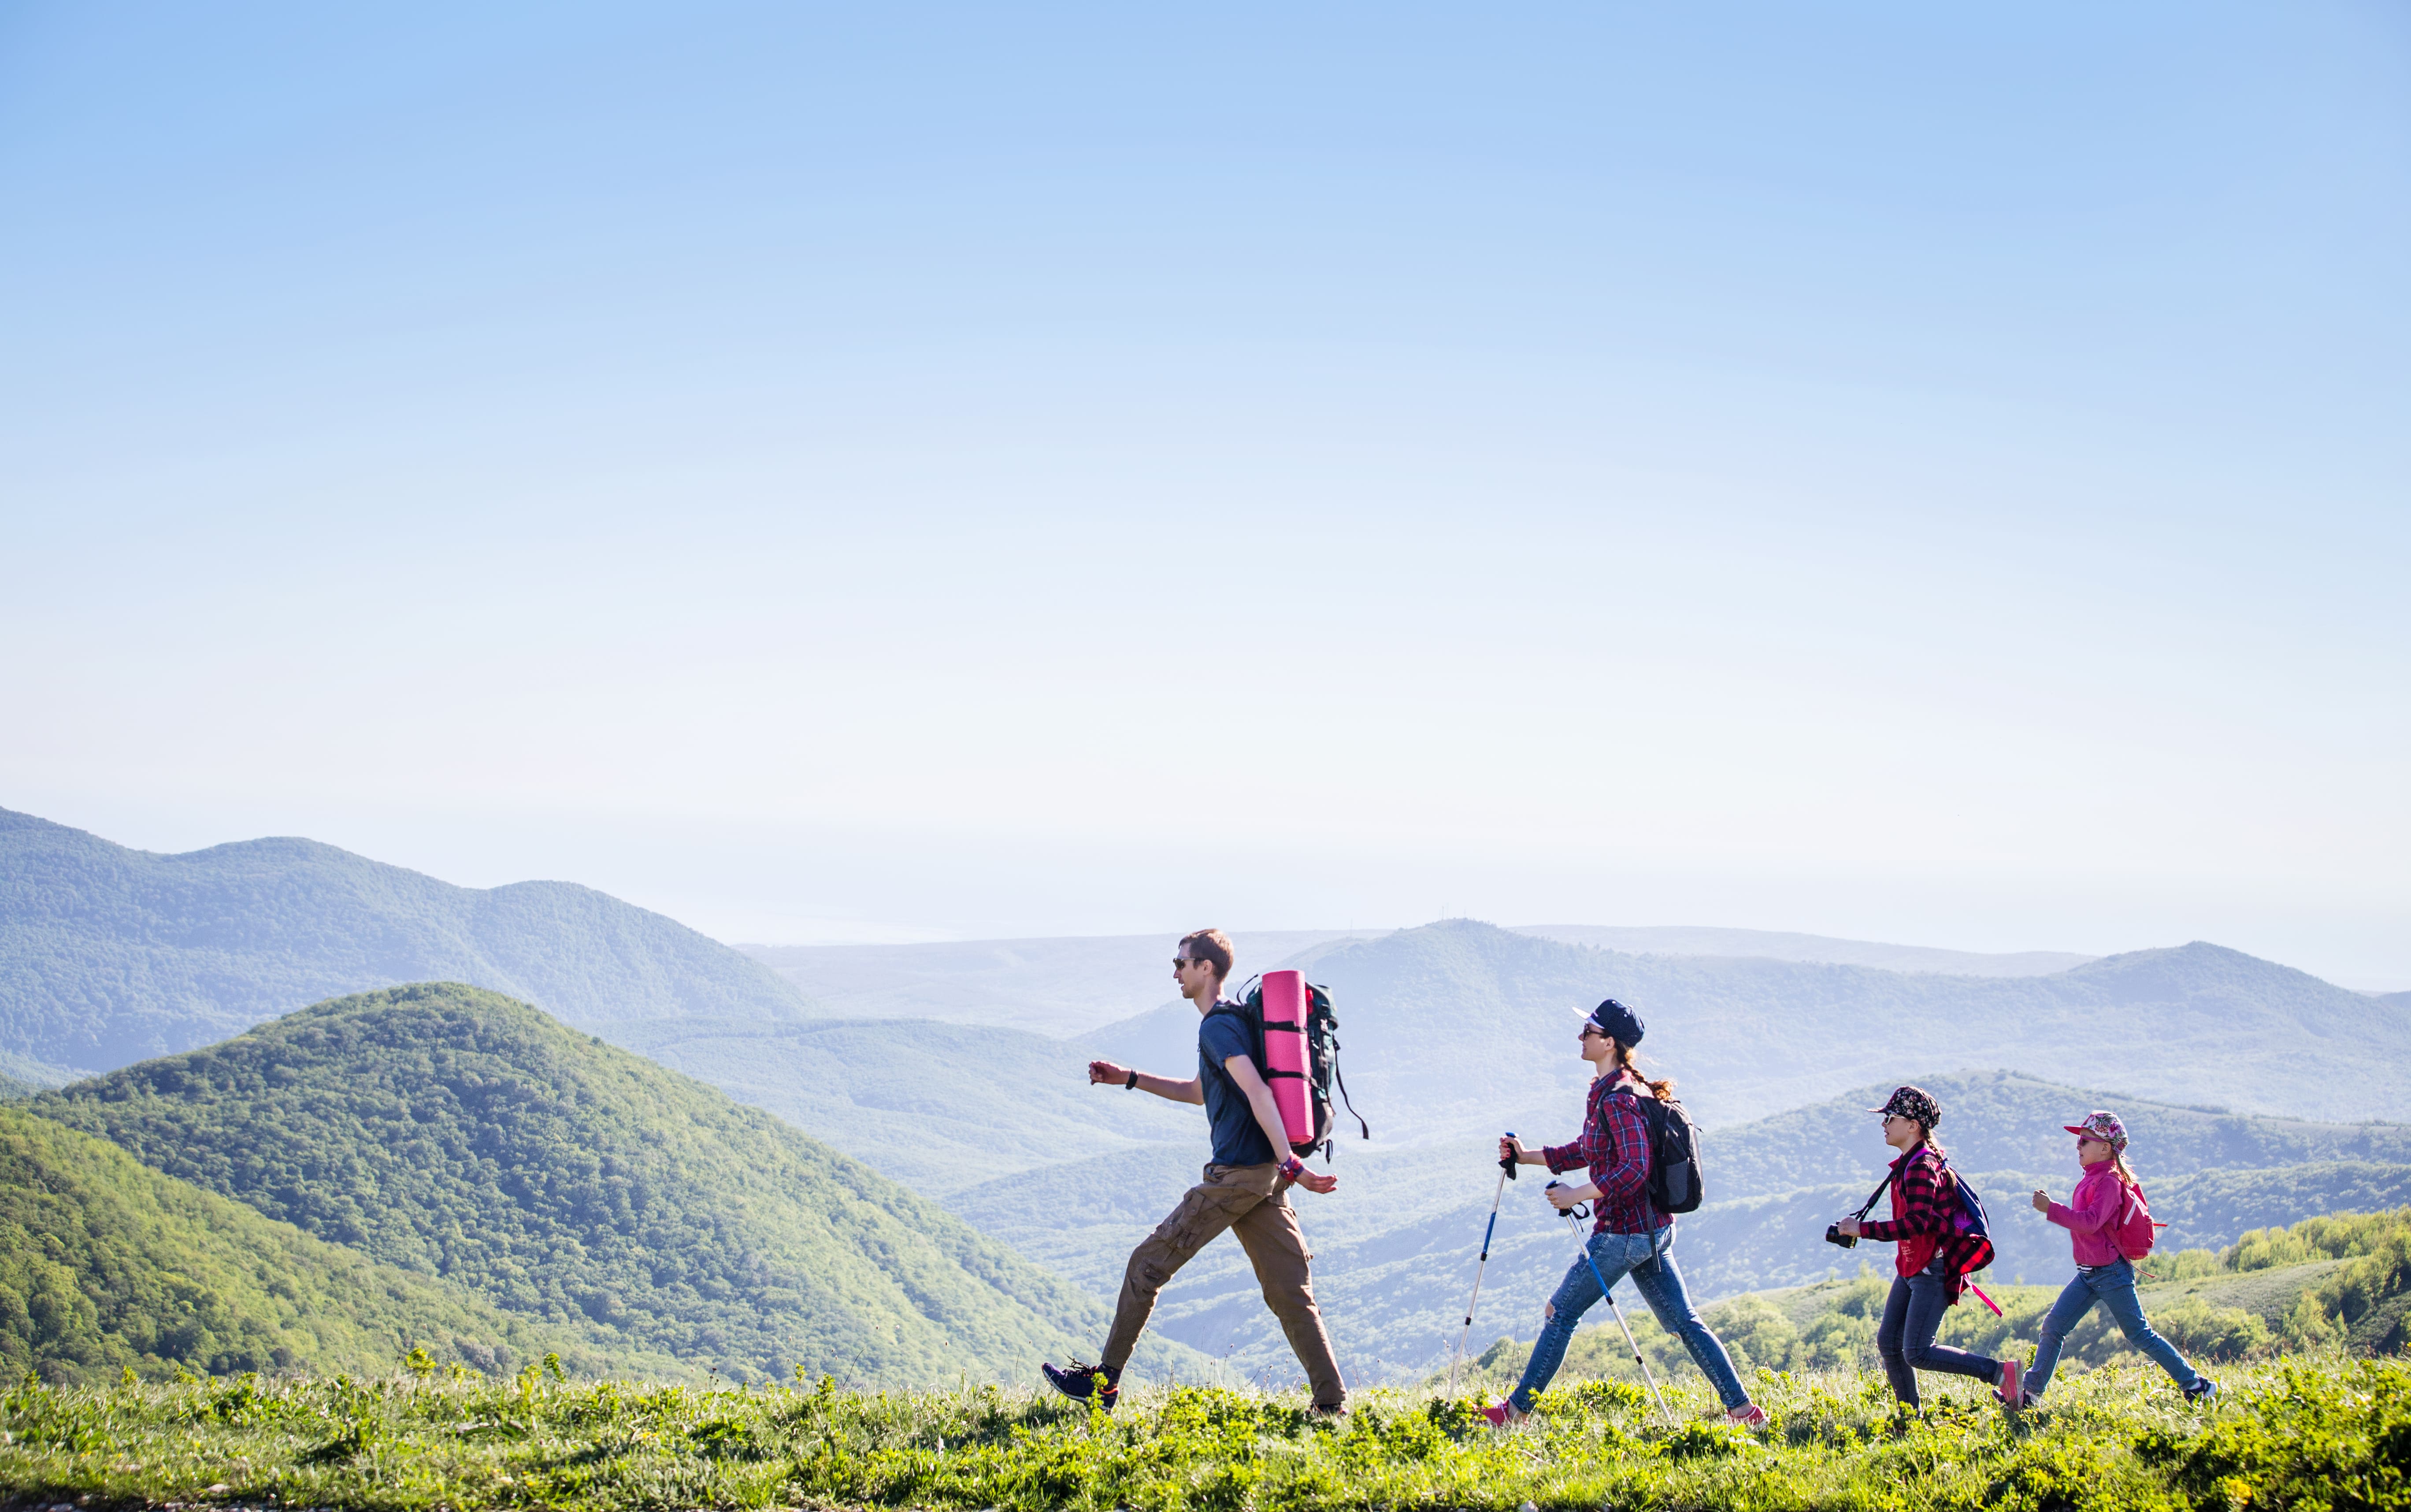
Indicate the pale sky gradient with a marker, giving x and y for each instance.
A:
(1905, 471)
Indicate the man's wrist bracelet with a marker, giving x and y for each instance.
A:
(1132, 1084)
(1292, 1168)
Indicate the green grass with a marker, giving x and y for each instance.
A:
(2315, 1432)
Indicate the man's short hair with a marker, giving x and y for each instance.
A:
(1211, 946)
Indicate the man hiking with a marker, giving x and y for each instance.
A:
(1244, 1190)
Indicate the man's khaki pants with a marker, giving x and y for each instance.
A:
(1249, 1201)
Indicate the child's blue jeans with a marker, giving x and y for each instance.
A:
(2113, 1287)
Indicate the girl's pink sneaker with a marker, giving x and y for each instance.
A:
(1502, 1416)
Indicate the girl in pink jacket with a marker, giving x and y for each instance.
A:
(2105, 1197)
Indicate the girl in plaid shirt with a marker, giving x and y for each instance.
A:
(1630, 1237)
(1934, 1257)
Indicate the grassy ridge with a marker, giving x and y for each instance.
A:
(107, 1265)
(2326, 1434)
(452, 1132)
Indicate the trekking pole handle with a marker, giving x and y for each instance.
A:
(1507, 1163)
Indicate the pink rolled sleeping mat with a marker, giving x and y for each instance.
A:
(1284, 998)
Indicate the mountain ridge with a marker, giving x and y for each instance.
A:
(1784, 945)
(109, 955)
(1746, 1036)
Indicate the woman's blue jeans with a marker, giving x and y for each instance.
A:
(2113, 1287)
(1649, 1261)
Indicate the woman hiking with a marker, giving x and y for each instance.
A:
(2107, 1198)
(1933, 1257)
(1630, 1237)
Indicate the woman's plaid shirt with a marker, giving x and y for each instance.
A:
(1615, 1145)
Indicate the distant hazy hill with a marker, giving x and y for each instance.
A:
(1775, 945)
(1044, 986)
(449, 1131)
(2009, 1122)
(1394, 1246)
(1460, 1027)
(937, 1105)
(108, 956)
(1457, 1029)
(106, 1264)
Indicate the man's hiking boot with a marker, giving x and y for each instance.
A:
(2201, 1391)
(2007, 1389)
(1079, 1383)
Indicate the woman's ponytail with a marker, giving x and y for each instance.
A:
(1662, 1088)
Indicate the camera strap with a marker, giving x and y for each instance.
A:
(1869, 1205)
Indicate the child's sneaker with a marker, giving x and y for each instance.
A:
(1079, 1383)
(2201, 1391)
(2008, 1390)
(1502, 1416)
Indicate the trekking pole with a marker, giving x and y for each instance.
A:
(1506, 1174)
(1630, 1342)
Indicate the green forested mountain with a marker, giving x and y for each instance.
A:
(107, 955)
(106, 1264)
(449, 1131)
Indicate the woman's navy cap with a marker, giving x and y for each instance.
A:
(1619, 1022)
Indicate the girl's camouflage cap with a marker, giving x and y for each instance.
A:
(2100, 1126)
(1912, 1102)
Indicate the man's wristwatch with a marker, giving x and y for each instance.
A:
(1131, 1085)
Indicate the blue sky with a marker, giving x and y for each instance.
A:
(1888, 471)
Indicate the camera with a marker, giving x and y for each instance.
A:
(1833, 1235)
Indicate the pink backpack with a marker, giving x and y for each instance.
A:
(2133, 1230)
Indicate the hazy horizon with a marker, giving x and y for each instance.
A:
(1883, 473)
(873, 938)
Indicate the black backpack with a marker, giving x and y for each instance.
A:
(1676, 1179)
(1322, 1054)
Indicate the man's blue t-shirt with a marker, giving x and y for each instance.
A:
(1238, 1139)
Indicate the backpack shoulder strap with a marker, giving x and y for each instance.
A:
(1251, 1023)
(1363, 1130)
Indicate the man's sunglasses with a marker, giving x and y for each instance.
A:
(1179, 961)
